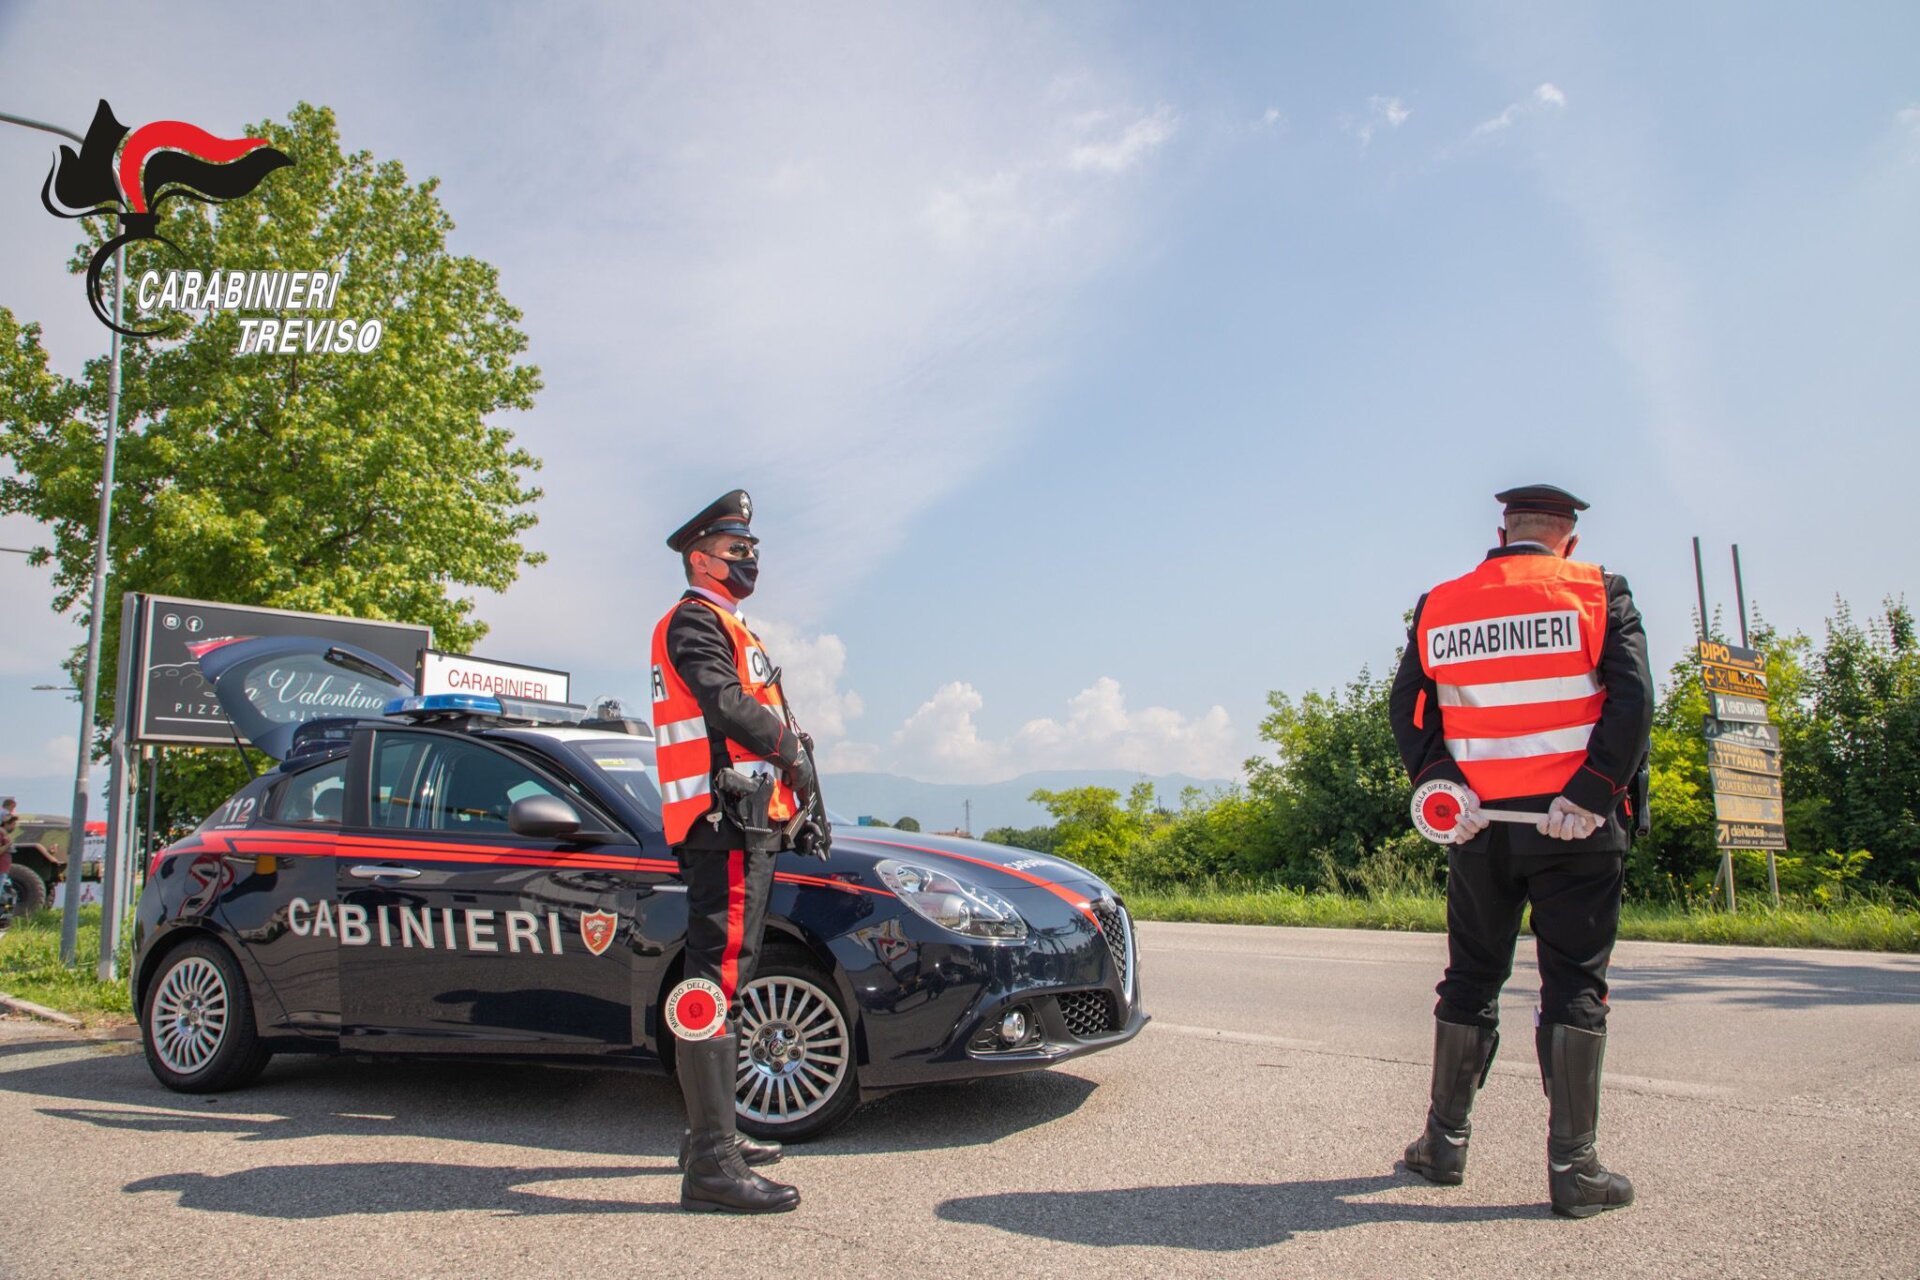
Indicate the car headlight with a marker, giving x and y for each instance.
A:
(952, 904)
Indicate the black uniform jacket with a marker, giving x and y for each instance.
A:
(702, 652)
(1615, 751)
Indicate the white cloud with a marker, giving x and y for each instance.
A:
(1111, 151)
(1272, 118)
(1546, 97)
(811, 670)
(1381, 111)
(942, 740)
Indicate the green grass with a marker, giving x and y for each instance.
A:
(1859, 926)
(30, 968)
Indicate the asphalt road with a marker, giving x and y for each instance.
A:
(1767, 1104)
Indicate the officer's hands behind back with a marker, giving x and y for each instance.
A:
(1471, 822)
(1566, 820)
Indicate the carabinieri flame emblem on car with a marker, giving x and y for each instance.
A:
(596, 930)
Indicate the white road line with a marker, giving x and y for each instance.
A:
(1628, 1083)
(1271, 955)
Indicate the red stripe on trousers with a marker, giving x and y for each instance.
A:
(736, 921)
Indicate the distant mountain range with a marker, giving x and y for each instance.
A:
(941, 806)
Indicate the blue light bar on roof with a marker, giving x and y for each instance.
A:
(445, 704)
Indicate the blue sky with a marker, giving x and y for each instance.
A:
(1097, 369)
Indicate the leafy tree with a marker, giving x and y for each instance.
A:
(371, 484)
(1092, 827)
(1335, 787)
(907, 824)
(1861, 753)
(1038, 839)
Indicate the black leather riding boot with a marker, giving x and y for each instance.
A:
(753, 1151)
(1578, 1183)
(1462, 1057)
(717, 1179)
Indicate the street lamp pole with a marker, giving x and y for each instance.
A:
(90, 679)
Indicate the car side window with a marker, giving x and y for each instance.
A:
(443, 784)
(318, 795)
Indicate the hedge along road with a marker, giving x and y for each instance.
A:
(1766, 1102)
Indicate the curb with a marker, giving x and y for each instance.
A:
(14, 1004)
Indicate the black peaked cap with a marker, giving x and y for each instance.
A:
(1548, 498)
(730, 513)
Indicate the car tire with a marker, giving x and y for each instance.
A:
(197, 1021)
(30, 891)
(792, 1008)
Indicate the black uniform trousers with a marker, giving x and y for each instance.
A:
(727, 892)
(1576, 915)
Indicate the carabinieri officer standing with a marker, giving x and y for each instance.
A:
(738, 785)
(1526, 681)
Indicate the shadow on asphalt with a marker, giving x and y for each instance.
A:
(614, 1113)
(1214, 1217)
(300, 1191)
(1767, 982)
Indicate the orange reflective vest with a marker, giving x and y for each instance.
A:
(683, 747)
(1514, 651)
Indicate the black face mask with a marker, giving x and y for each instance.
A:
(741, 575)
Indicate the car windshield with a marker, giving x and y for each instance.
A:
(628, 765)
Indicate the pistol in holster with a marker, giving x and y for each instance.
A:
(745, 799)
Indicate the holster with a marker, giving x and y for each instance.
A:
(745, 798)
(1640, 796)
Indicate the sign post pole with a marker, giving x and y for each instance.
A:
(116, 867)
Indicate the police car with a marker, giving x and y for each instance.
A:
(469, 877)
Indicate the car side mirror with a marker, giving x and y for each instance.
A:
(542, 817)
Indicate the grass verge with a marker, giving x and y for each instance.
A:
(30, 968)
(1857, 926)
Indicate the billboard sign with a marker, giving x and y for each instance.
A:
(279, 667)
(464, 673)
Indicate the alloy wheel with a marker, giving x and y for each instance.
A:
(190, 1013)
(793, 1050)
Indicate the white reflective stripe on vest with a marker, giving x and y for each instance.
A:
(1552, 743)
(679, 731)
(765, 768)
(687, 789)
(1516, 693)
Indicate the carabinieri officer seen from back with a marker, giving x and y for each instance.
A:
(737, 785)
(1526, 682)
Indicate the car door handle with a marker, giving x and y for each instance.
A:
(382, 873)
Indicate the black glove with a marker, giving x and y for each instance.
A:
(815, 839)
(801, 778)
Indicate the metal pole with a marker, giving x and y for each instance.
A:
(1740, 594)
(117, 868)
(1700, 585)
(90, 683)
(153, 801)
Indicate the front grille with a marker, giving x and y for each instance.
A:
(1090, 1013)
(1117, 929)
